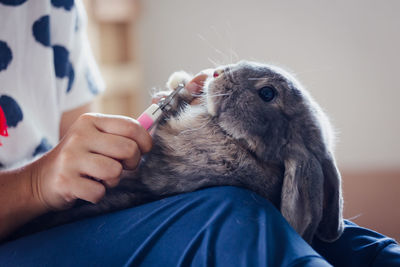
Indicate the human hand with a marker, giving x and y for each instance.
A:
(195, 86)
(89, 158)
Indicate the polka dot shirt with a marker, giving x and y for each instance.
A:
(46, 68)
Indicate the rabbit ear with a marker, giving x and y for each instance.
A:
(311, 197)
(331, 225)
(302, 194)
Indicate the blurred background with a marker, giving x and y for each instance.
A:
(346, 53)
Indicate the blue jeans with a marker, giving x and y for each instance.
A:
(220, 226)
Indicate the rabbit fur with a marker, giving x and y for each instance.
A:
(281, 149)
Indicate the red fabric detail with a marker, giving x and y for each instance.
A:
(3, 124)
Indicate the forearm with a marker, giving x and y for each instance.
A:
(18, 198)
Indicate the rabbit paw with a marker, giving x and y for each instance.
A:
(177, 78)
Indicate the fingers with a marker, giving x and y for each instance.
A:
(132, 162)
(124, 127)
(86, 189)
(157, 97)
(101, 168)
(195, 86)
(117, 138)
(114, 146)
(97, 146)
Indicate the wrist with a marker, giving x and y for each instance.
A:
(34, 186)
(18, 198)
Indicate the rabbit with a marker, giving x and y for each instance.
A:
(257, 128)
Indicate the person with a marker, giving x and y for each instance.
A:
(92, 145)
(50, 144)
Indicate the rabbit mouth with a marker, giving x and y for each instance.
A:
(215, 93)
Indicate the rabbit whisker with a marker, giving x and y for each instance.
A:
(230, 75)
(208, 95)
(196, 95)
(256, 79)
(218, 95)
(233, 54)
(355, 217)
(213, 62)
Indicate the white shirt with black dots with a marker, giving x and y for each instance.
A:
(46, 68)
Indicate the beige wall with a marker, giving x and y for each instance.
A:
(345, 52)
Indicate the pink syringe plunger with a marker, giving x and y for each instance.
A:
(149, 116)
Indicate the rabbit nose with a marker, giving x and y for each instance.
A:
(217, 73)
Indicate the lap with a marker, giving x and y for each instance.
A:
(221, 226)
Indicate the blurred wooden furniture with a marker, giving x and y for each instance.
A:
(111, 30)
(371, 199)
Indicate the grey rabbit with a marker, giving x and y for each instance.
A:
(256, 128)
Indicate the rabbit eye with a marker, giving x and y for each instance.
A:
(267, 93)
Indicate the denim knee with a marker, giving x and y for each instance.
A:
(236, 197)
(233, 226)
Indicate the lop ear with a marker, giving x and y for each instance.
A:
(311, 197)
(302, 194)
(331, 225)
